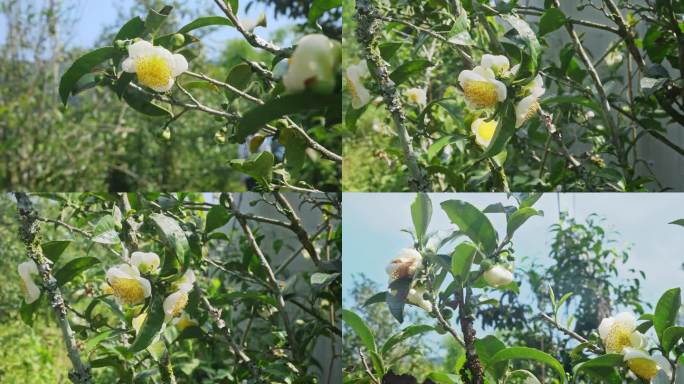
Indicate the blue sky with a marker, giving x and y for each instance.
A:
(94, 15)
(372, 234)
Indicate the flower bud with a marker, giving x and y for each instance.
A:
(178, 39)
(313, 65)
(498, 276)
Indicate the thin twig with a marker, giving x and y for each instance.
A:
(570, 333)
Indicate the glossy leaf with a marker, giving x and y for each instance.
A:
(360, 328)
(551, 19)
(142, 103)
(133, 28)
(525, 353)
(205, 22)
(519, 217)
(217, 217)
(671, 336)
(73, 268)
(666, 311)
(173, 236)
(105, 231)
(406, 333)
(83, 65)
(462, 260)
(259, 166)
(259, 116)
(54, 249)
(421, 213)
(150, 327)
(408, 69)
(472, 222)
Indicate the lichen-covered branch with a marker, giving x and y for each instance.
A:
(466, 318)
(30, 236)
(297, 228)
(367, 30)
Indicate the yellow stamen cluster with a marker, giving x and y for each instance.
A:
(618, 338)
(129, 291)
(180, 304)
(481, 93)
(153, 71)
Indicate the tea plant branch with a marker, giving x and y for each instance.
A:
(197, 106)
(555, 134)
(570, 333)
(165, 367)
(251, 38)
(235, 349)
(227, 86)
(297, 228)
(367, 368)
(29, 233)
(274, 283)
(467, 58)
(466, 318)
(367, 31)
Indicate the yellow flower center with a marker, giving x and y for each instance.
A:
(486, 130)
(618, 338)
(413, 97)
(153, 71)
(531, 111)
(129, 291)
(481, 93)
(180, 304)
(352, 88)
(644, 368)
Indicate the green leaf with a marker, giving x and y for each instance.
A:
(360, 328)
(472, 222)
(54, 249)
(94, 341)
(82, 66)
(28, 311)
(133, 28)
(142, 103)
(671, 336)
(397, 299)
(259, 116)
(205, 22)
(150, 327)
(444, 378)
(679, 222)
(259, 166)
(421, 213)
(155, 19)
(295, 147)
(173, 237)
(217, 217)
(525, 353)
(321, 6)
(487, 348)
(461, 261)
(505, 129)
(573, 100)
(609, 360)
(239, 77)
(532, 51)
(379, 297)
(408, 69)
(408, 332)
(529, 376)
(519, 217)
(105, 231)
(73, 268)
(551, 19)
(389, 49)
(666, 311)
(321, 280)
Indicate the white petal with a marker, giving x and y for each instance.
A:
(139, 49)
(362, 98)
(501, 91)
(147, 287)
(123, 271)
(626, 320)
(498, 276)
(180, 64)
(633, 353)
(150, 259)
(663, 364)
(486, 73)
(495, 61)
(128, 65)
(469, 75)
(522, 108)
(638, 340)
(604, 327)
(170, 302)
(165, 88)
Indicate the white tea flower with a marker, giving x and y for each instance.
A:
(127, 285)
(359, 93)
(313, 65)
(529, 105)
(155, 66)
(415, 296)
(619, 332)
(146, 262)
(417, 96)
(481, 88)
(644, 365)
(406, 264)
